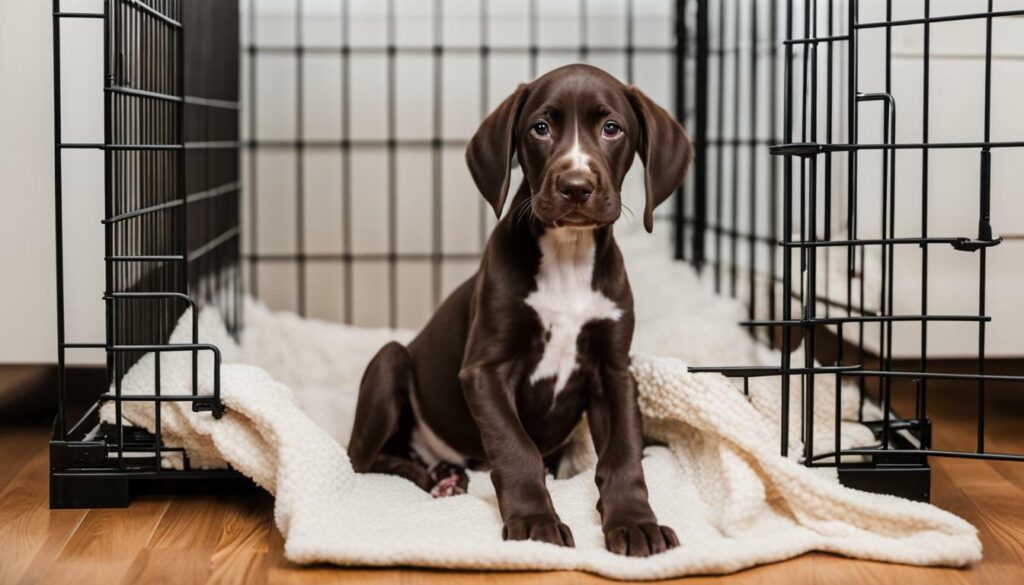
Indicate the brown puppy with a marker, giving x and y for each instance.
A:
(540, 335)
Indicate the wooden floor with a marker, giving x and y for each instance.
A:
(232, 539)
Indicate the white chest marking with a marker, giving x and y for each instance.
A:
(565, 301)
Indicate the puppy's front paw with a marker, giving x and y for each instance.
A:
(542, 527)
(641, 539)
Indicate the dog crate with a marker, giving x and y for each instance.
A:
(170, 231)
(830, 270)
(216, 147)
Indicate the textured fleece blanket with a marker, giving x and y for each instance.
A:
(718, 479)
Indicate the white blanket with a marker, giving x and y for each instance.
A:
(720, 482)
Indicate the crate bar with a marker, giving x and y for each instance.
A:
(349, 257)
(734, 218)
(392, 166)
(157, 398)
(817, 40)
(110, 306)
(346, 163)
(214, 243)
(157, 408)
(630, 42)
(129, 91)
(681, 55)
(212, 474)
(485, 77)
(984, 227)
(253, 190)
(754, 151)
(720, 132)
(213, 145)
(787, 229)
(852, 186)
(922, 386)
(773, 195)
(437, 150)
(58, 201)
(146, 258)
(888, 204)
(809, 183)
(534, 48)
(810, 148)
(956, 242)
(212, 103)
(77, 14)
(988, 15)
(700, 139)
(827, 235)
(300, 183)
(185, 284)
(863, 318)
(851, 370)
(936, 453)
(888, 259)
(462, 50)
(358, 143)
(940, 375)
(147, 10)
(762, 371)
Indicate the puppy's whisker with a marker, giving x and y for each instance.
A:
(524, 209)
(518, 213)
(632, 216)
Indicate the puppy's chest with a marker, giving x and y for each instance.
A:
(565, 301)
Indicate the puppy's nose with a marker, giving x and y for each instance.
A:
(575, 187)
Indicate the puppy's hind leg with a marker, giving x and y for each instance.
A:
(384, 418)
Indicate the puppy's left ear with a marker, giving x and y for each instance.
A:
(489, 154)
(664, 148)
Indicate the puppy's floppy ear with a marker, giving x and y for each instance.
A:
(490, 151)
(664, 149)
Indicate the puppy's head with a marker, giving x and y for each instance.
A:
(575, 131)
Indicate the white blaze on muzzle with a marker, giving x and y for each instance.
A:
(576, 155)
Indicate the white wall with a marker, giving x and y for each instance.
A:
(27, 278)
(27, 294)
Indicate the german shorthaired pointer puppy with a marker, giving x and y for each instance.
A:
(540, 335)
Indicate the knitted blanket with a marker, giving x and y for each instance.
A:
(719, 481)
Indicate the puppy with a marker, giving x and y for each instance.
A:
(540, 335)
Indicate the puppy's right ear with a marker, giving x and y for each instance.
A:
(489, 154)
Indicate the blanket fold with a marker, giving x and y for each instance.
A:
(718, 480)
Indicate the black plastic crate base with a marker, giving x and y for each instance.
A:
(906, 481)
(109, 489)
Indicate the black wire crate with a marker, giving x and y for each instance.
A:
(777, 101)
(170, 233)
(829, 102)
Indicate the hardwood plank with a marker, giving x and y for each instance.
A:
(999, 517)
(28, 528)
(106, 543)
(233, 539)
(190, 522)
(240, 552)
(20, 444)
(168, 565)
(243, 566)
(798, 571)
(834, 569)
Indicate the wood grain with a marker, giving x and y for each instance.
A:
(206, 539)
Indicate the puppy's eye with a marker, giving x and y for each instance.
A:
(541, 129)
(611, 130)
